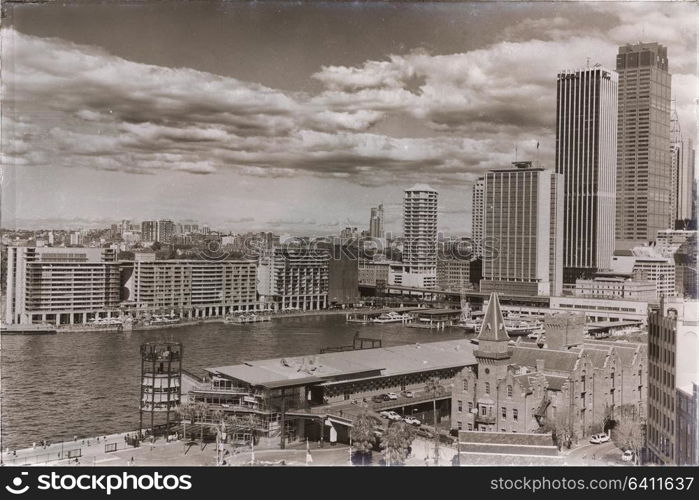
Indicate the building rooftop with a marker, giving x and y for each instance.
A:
(560, 361)
(422, 187)
(493, 327)
(379, 362)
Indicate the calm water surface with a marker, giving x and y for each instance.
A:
(85, 384)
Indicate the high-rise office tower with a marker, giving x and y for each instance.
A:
(524, 225)
(420, 237)
(586, 142)
(681, 174)
(643, 182)
(477, 217)
(376, 222)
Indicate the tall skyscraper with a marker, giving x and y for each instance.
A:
(643, 181)
(420, 237)
(477, 217)
(586, 143)
(682, 173)
(524, 225)
(376, 222)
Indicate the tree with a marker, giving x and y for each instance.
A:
(561, 428)
(201, 410)
(629, 433)
(396, 443)
(186, 412)
(363, 435)
(433, 387)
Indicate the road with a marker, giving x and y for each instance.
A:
(594, 454)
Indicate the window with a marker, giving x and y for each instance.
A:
(509, 391)
(483, 410)
(470, 406)
(514, 414)
(459, 406)
(465, 385)
(504, 412)
(459, 425)
(487, 387)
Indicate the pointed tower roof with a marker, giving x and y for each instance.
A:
(493, 327)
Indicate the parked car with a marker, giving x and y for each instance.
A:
(599, 438)
(408, 394)
(392, 415)
(377, 399)
(412, 421)
(385, 397)
(386, 414)
(627, 456)
(392, 396)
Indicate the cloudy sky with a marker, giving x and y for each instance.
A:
(295, 118)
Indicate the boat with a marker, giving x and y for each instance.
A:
(245, 318)
(391, 317)
(164, 320)
(471, 324)
(516, 328)
(36, 329)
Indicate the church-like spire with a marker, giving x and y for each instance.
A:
(493, 327)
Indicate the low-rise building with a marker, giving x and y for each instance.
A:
(523, 389)
(302, 394)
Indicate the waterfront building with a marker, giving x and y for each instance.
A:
(522, 219)
(60, 285)
(188, 288)
(586, 151)
(420, 237)
(301, 395)
(616, 286)
(291, 278)
(673, 343)
(603, 309)
(343, 276)
(477, 209)
(522, 389)
(453, 273)
(373, 272)
(376, 222)
(644, 156)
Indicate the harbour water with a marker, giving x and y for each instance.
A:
(87, 383)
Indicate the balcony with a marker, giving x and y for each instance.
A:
(485, 419)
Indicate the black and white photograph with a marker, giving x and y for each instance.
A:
(348, 234)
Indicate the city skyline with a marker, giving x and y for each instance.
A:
(341, 129)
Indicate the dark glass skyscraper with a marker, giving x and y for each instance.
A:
(586, 142)
(644, 172)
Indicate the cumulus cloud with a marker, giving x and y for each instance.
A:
(79, 106)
